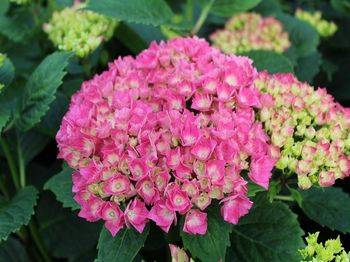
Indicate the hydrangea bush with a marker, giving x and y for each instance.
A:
(125, 135)
(250, 31)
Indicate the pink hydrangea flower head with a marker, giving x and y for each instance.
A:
(166, 132)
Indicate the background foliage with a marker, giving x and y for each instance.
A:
(38, 220)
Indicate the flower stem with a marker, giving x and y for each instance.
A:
(38, 242)
(284, 198)
(202, 17)
(22, 173)
(10, 162)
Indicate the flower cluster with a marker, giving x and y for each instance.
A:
(322, 26)
(81, 31)
(332, 250)
(167, 133)
(311, 129)
(250, 31)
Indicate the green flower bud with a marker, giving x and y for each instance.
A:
(304, 182)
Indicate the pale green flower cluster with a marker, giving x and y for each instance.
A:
(78, 30)
(250, 31)
(331, 250)
(310, 128)
(322, 26)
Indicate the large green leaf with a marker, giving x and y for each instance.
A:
(41, 88)
(12, 251)
(329, 207)
(123, 247)
(229, 7)
(17, 212)
(304, 38)
(270, 232)
(18, 26)
(308, 66)
(7, 72)
(270, 61)
(212, 246)
(61, 186)
(154, 12)
(342, 6)
(65, 234)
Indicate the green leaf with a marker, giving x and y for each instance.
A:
(41, 88)
(229, 7)
(123, 247)
(212, 246)
(329, 207)
(17, 212)
(5, 114)
(61, 186)
(253, 189)
(18, 26)
(12, 251)
(7, 72)
(270, 232)
(308, 66)
(268, 7)
(296, 195)
(270, 61)
(130, 38)
(342, 6)
(4, 6)
(304, 38)
(154, 12)
(64, 233)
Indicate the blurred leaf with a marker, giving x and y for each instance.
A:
(130, 38)
(270, 61)
(154, 12)
(4, 5)
(304, 38)
(17, 27)
(329, 207)
(7, 72)
(40, 89)
(51, 122)
(342, 6)
(32, 143)
(270, 232)
(147, 33)
(229, 7)
(64, 233)
(308, 66)
(211, 246)
(268, 7)
(61, 186)
(329, 68)
(12, 251)
(123, 247)
(17, 212)
(5, 114)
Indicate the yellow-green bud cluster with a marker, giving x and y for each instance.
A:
(250, 31)
(331, 250)
(310, 128)
(81, 31)
(322, 26)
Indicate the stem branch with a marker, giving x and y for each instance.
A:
(10, 161)
(37, 240)
(202, 17)
(284, 198)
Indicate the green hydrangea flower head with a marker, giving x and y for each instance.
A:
(331, 250)
(78, 30)
(250, 31)
(322, 26)
(311, 130)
